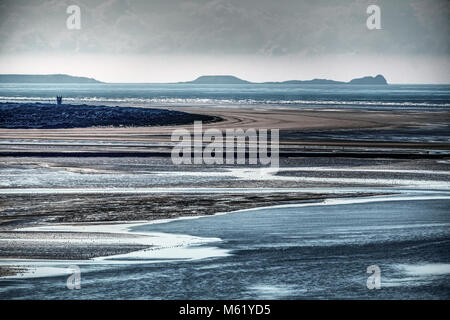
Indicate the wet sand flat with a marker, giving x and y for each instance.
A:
(244, 118)
(354, 162)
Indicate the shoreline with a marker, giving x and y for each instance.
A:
(264, 118)
(67, 116)
(106, 184)
(371, 155)
(79, 229)
(19, 266)
(303, 133)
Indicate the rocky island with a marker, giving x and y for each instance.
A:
(228, 79)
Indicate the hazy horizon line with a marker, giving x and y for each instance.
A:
(195, 77)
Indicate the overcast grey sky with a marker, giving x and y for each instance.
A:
(259, 40)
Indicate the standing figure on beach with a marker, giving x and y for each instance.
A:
(58, 100)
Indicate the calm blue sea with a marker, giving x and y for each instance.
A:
(413, 97)
(313, 252)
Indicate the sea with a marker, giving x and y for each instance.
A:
(313, 251)
(398, 97)
(393, 247)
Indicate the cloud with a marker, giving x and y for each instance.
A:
(261, 40)
(258, 27)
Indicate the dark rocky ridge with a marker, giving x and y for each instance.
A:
(219, 79)
(379, 79)
(209, 79)
(44, 78)
(51, 116)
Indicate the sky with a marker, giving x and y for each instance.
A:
(257, 40)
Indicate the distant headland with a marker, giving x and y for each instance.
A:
(217, 80)
(44, 78)
(208, 79)
(228, 79)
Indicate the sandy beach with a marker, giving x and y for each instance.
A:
(49, 159)
(261, 118)
(244, 151)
